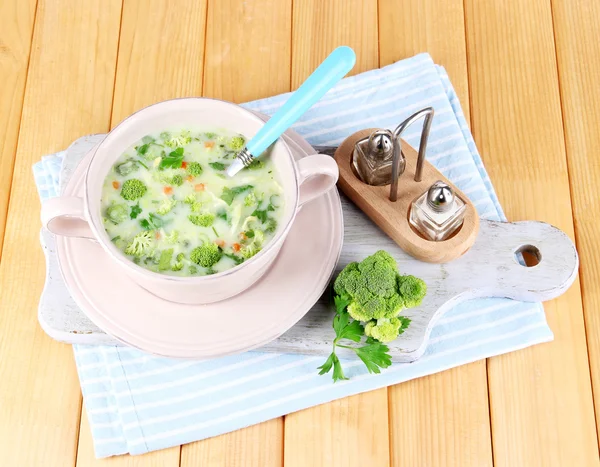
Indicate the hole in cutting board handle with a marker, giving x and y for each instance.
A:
(528, 256)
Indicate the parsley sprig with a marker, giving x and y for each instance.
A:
(373, 353)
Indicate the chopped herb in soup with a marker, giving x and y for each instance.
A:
(169, 206)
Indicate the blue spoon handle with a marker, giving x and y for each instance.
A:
(333, 68)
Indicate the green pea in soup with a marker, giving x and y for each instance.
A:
(168, 205)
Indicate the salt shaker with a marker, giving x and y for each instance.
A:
(438, 212)
(378, 159)
(373, 156)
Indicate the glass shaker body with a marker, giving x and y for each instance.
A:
(435, 225)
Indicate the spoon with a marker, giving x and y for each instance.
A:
(327, 74)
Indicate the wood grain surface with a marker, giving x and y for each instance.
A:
(542, 395)
(39, 391)
(526, 74)
(16, 24)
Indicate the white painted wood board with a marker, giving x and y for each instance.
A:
(489, 269)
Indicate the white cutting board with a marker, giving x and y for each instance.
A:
(489, 269)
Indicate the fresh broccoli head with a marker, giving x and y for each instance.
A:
(165, 206)
(140, 244)
(412, 289)
(194, 169)
(236, 143)
(202, 220)
(117, 213)
(206, 255)
(386, 330)
(133, 189)
(375, 288)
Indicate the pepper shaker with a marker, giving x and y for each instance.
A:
(373, 156)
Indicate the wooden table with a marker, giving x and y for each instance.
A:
(527, 74)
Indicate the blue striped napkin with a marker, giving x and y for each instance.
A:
(138, 403)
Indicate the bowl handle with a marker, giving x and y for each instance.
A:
(317, 175)
(65, 216)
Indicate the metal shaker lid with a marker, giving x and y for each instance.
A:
(440, 197)
(381, 144)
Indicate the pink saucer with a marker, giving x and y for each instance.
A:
(296, 280)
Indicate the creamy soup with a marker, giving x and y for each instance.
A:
(169, 206)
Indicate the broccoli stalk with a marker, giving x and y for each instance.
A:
(117, 213)
(372, 292)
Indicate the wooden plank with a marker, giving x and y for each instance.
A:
(259, 445)
(161, 53)
(16, 24)
(153, 67)
(248, 46)
(319, 27)
(351, 431)
(409, 27)
(68, 94)
(441, 419)
(578, 51)
(259, 68)
(540, 398)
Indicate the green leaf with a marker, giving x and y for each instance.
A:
(230, 193)
(353, 331)
(143, 149)
(341, 302)
(222, 215)
(374, 355)
(340, 321)
(263, 214)
(338, 372)
(152, 223)
(217, 165)
(405, 323)
(326, 367)
(164, 262)
(173, 160)
(249, 233)
(135, 211)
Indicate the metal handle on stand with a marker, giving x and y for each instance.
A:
(428, 114)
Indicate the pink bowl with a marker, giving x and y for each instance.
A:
(302, 182)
